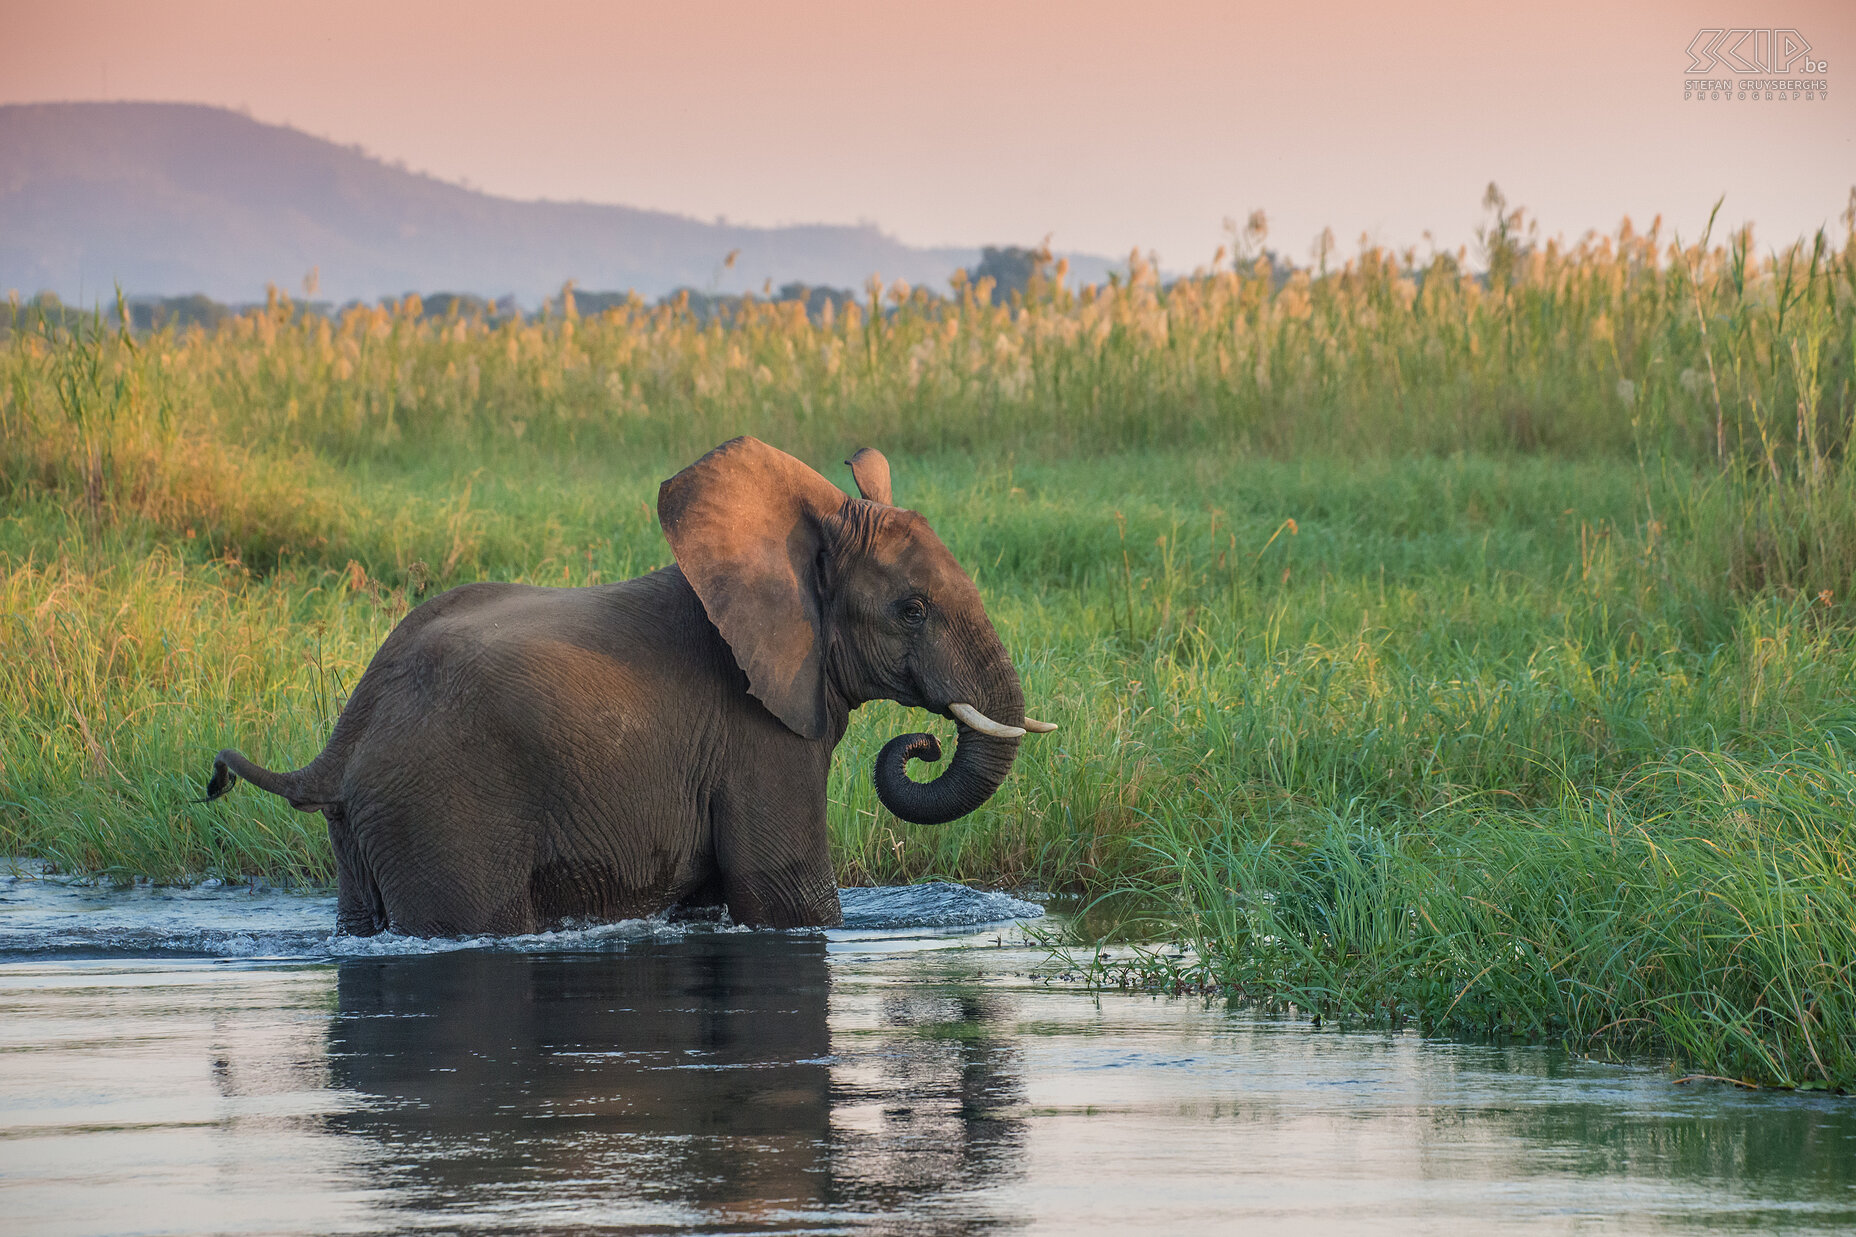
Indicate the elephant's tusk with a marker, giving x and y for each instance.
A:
(1037, 727)
(977, 720)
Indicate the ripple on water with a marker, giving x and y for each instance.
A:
(903, 1075)
(44, 916)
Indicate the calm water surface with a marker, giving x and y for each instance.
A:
(212, 1062)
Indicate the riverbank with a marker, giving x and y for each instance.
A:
(1491, 638)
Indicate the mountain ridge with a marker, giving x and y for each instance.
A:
(176, 198)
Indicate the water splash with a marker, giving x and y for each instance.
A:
(47, 917)
(938, 904)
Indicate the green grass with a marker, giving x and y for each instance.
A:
(1704, 910)
(1433, 628)
(1472, 653)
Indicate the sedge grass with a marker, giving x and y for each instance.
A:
(1704, 912)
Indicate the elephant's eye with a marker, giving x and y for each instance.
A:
(913, 611)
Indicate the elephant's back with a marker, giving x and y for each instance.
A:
(511, 648)
(627, 617)
(628, 665)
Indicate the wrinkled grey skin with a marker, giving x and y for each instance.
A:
(515, 757)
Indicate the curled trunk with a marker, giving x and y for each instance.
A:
(980, 761)
(980, 764)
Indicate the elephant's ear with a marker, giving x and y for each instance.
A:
(871, 472)
(746, 523)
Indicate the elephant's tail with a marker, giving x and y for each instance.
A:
(318, 784)
(308, 789)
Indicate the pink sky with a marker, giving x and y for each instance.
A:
(965, 123)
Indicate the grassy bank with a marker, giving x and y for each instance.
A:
(1473, 650)
(1705, 910)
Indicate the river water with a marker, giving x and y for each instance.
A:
(212, 1061)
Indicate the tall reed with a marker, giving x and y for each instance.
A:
(1401, 619)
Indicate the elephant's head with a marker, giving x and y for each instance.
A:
(828, 601)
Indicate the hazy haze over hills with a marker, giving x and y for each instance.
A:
(168, 198)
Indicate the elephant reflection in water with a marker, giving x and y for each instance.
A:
(679, 1077)
(938, 1108)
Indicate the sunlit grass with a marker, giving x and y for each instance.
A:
(1471, 650)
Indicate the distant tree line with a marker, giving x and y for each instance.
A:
(1015, 271)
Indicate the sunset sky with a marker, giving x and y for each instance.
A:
(1104, 126)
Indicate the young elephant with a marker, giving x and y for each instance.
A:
(516, 757)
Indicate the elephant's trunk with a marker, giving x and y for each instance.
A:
(980, 761)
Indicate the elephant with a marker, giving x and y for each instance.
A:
(516, 758)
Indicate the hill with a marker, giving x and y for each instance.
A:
(169, 198)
